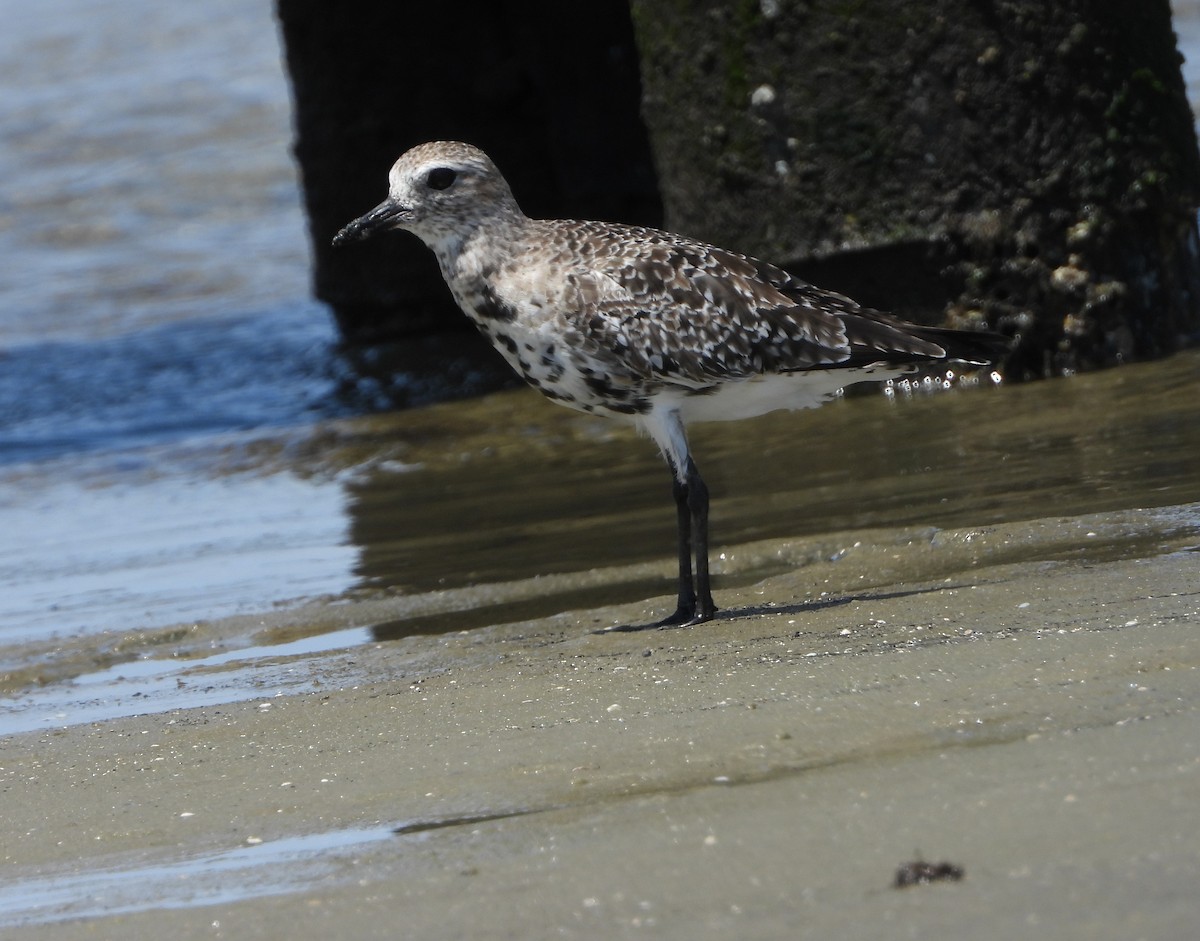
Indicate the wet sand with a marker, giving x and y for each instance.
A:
(993, 664)
(1034, 722)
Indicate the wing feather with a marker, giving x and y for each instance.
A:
(673, 309)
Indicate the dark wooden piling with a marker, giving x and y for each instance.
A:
(1028, 166)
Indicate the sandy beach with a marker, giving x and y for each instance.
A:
(1033, 722)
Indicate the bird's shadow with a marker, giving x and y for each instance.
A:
(802, 607)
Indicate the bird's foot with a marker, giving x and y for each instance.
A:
(688, 614)
(685, 615)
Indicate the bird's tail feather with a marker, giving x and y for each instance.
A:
(978, 347)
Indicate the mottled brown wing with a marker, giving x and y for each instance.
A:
(673, 309)
(676, 310)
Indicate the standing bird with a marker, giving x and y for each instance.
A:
(642, 325)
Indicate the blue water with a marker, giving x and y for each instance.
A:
(166, 382)
(156, 263)
(155, 301)
(145, 174)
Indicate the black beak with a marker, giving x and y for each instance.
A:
(387, 215)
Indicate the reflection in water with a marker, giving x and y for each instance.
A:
(544, 493)
(250, 871)
(254, 869)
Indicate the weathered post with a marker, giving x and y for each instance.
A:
(1026, 164)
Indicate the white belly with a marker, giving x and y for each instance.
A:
(731, 401)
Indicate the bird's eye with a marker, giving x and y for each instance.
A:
(440, 178)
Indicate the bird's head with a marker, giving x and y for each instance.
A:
(438, 191)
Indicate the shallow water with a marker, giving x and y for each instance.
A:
(144, 172)
(564, 494)
(507, 507)
(206, 879)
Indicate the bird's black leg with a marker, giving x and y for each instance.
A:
(697, 501)
(691, 510)
(686, 609)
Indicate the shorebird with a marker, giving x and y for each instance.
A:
(645, 326)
